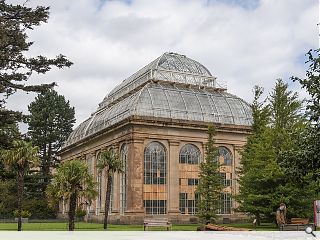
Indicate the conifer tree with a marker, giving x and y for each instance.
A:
(16, 65)
(210, 182)
(259, 172)
(264, 179)
(50, 124)
(306, 156)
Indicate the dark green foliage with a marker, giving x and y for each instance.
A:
(39, 208)
(16, 67)
(312, 84)
(266, 176)
(7, 198)
(80, 213)
(259, 173)
(23, 213)
(286, 117)
(50, 123)
(210, 182)
(72, 182)
(306, 155)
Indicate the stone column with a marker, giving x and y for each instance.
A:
(236, 165)
(173, 178)
(91, 165)
(116, 186)
(135, 177)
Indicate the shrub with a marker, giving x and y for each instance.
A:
(40, 208)
(24, 213)
(80, 213)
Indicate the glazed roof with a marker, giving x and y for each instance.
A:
(172, 86)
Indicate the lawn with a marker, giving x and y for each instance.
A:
(82, 226)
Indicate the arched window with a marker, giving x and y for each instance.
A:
(155, 178)
(189, 154)
(155, 164)
(225, 156)
(124, 177)
(189, 159)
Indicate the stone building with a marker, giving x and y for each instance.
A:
(157, 121)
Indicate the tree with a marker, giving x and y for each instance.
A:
(50, 124)
(71, 182)
(306, 158)
(286, 116)
(110, 162)
(21, 158)
(16, 67)
(264, 179)
(259, 173)
(301, 163)
(210, 182)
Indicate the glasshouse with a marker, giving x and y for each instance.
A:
(157, 121)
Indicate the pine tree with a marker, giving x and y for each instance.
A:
(210, 182)
(50, 124)
(16, 67)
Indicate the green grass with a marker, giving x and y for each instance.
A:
(82, 226)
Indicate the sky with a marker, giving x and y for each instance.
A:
(242, 42)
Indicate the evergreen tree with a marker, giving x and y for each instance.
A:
(259, 173)
(301, 162)
(16, 67)
(265, 179)
(287, 124)
(210, 186)
(50, 124)
(286, 117)
(306, 157)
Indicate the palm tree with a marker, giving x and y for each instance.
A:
(21, 157)
(110, 162)
(71, 182)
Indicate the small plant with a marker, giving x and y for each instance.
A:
(80, 213)
(24, 213)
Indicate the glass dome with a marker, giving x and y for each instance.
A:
(171, 87)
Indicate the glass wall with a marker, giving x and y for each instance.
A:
(155, 179)
(189, 159)
(124, 178)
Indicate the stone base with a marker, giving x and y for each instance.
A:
(173, 218)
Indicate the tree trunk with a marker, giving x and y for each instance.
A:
(107, 202)
(257, 216)
(72, 210)
(20, 183)
(44, 169)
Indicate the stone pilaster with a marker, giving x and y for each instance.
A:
(116, 185)
(135, 177)
(173, 178)
(236, 165)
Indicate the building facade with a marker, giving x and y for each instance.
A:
(156, 120)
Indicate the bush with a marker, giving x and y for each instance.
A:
(7, 198)
(80, 213)
(40, 208)
(24, 213)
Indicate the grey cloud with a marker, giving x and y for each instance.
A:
(242, 46)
